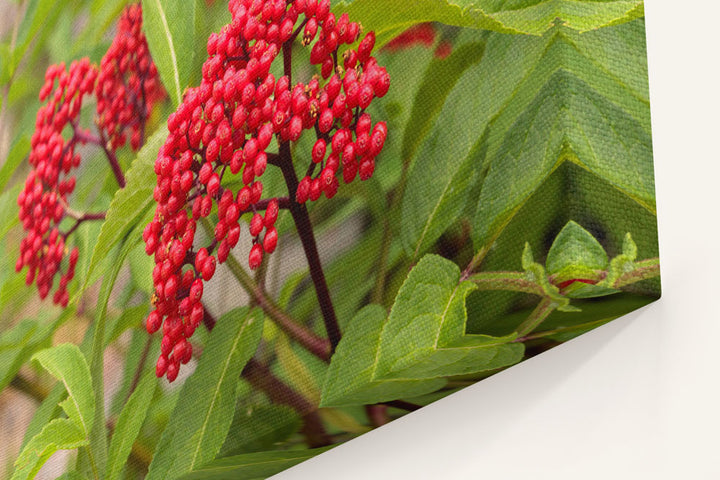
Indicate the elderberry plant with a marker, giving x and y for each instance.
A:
(125, 86)
(317, 217)
(225, 126)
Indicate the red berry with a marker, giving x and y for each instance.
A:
(172, 371)
(256, 225)
(208, 269)
(161, 366)
(318, 151)
(271, 213)
(270, 240)
(303, 190)
(255, 257)
(153, 322)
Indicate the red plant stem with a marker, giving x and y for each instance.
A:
(260, 377)
(402, 405)
(305, 230)
(307, 237)
(316, 345)
(110, 154)
(377, 414)
(139, 368)
(84, 218)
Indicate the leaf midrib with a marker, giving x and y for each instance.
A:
(171, 46)
(226, 366)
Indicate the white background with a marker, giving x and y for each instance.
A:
(637, 398)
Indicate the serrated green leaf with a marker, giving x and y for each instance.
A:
(202, 417)
(66, 363)
(98, 438)
(169, 27)
(575, 253)
(438, 80)
(439, 179)
(59, 434)
(570, 105)
(587, 290)
(128, 425)
(252, 466)
(130, 205)
(349, 379)
(425, 333)
(422, 341)
(257, 428)
(388, 18)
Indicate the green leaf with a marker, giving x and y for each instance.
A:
(18, 152)
(575, 253)
(72, 476)
(98, 436)
(59, 434)
(566, 101)
(623, 263)
(128, 425)
(204, 411)
(422, 340)
(350, 377)
(252, 466)
(130, 205)
(536, 273)
(438, 80)
(66, 363)
(388, 18)
(169, 26)
(439, 180)
(39, 14)
(19, 343)
(257, 428)
(130, 317)
(425, 334)
(48, 410)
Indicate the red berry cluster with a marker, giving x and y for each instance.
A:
(227, 124)
(128, 84)
(43, 201)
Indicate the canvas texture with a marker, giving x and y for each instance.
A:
(235, 234)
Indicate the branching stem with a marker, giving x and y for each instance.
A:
(305, 230)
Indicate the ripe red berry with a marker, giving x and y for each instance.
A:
(270, 240)
(255, 257)
(271, 213)
(303, 190)
(208, 268)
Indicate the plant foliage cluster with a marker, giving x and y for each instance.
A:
(512, 208)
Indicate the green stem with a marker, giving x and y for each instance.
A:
(311, 342)
(316, 345)
(509, 281)
(541, 312)
(644, 270)
(555, 331)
